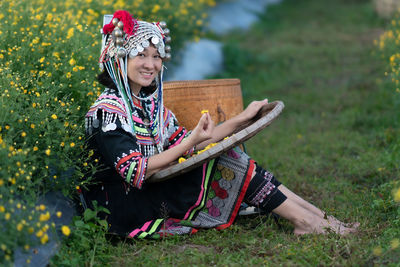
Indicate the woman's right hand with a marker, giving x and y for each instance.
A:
(203, 130)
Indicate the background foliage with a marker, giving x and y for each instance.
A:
(48, 63)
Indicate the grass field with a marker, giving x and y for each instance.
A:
(334, 144)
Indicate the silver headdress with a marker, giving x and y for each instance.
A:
(123, 35)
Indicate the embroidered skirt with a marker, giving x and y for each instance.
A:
(206, 197)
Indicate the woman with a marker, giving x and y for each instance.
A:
(135, 136)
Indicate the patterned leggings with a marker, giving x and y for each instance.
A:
(263, 191)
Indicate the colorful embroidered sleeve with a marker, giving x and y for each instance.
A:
(120, 151)
(176, 133)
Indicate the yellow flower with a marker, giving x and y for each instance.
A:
(48, 151)
(72, 62)
(39, 233)
(35, 148)
(72, 144)
(59, 213)
(44, 217)
(32, 126)
(204, 111)
(395, 243)
(68, 75)
(7, 216)
(155, 9)
(397, 195)
(56, 55)
(65, 230)
(377, 251)
(2, 209)
(41, 59)
(181, 160)
(54, 116)
(70, 33)
(44, 239)
(23, 134)
(19, 226)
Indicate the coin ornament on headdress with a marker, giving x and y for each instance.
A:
(125, 35)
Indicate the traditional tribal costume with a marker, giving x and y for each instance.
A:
(124, 135)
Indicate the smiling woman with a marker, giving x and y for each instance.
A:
(133, 135)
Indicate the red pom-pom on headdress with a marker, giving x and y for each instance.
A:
(129, 22)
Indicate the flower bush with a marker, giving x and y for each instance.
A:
(48, 62)
(388, 45)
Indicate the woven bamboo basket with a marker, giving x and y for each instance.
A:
(221, 97)
(386, 8)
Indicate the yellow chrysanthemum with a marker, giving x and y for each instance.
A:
(395, 243)
(65, 230)
(397, 195)
(44, 217)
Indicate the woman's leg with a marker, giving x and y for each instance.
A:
(264, 192)
(306, 222)
(310, 207)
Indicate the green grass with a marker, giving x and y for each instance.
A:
(333, 143)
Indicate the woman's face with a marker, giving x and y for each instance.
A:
(143, 68)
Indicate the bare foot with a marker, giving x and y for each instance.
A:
(349, 225)
(322, 226)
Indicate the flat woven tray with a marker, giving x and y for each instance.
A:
(262, 119)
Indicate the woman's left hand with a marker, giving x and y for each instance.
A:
(252, 109)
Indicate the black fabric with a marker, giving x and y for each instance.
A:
(131, 207)
(263, 191)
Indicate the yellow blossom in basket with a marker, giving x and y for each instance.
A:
(204, 111)
(65, 230)
(180, 160)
